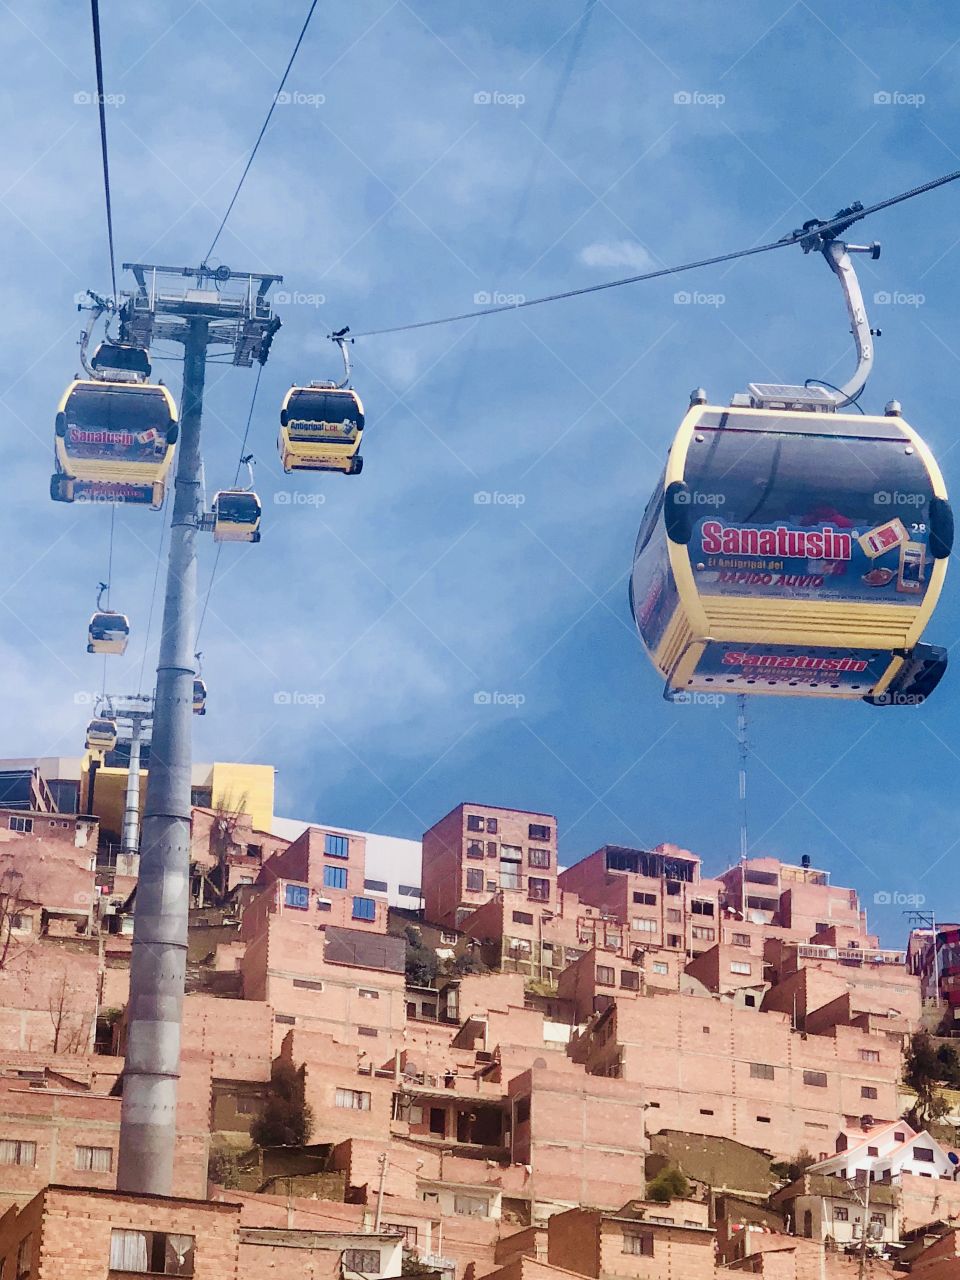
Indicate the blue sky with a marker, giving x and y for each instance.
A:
(387, 191)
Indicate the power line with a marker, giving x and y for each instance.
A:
(216, 561)
(256, 145)
(823, 228)
(98, 58)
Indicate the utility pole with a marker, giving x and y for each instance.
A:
(196, 316)
(383, 1162)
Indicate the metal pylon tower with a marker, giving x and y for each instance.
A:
(198, 307)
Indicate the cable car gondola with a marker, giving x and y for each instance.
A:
(199, 690)
(114, 441)
(123, 360)
(108, 632)
(321, 425)
(101, 734)
(794, 549)
(236, 512)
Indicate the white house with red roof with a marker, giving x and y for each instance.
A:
(884, 1152)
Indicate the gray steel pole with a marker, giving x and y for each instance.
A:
(148, 1132)
(130, 836)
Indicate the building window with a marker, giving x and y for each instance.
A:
(151, 1252)
(606, 976)
(640, 1242)
(368, 993)
(474, 849)
(474, 822)
(449, 939)
(899, 1137)
(873, 1151)
(868, 1091)
(334, 877)
(923, 1153)
(869, 1055)
(93, 1159)
(400, 1229)
(539, 858)
(761, 1071)
(645, 900)
(522, 917)
(660, 967)
(474, 880)
(367, 1031)
(24, 1258)
(363, 1260)
(703, 933)
(750, 1001)
(673, 888)
(286, 1019)
(15, 1152)
(674, 940)
(706, 1111)
(673, 915)
(20, 824)
(352, 1100)
(700, 908)
(641, 925)
(471, 1206)
(629, 980)
(763, 1119)
(308, 984)
(816, 1078)
(336, 846)
(409, 891)
(376, 886)
(538, 890)
(511, 857)
(741, 939)
(841, 1213)
(741, 967)
(491, 848)
(296, 895)
(364, 909)
(536, 832)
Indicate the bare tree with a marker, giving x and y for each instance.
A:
(12, 903)
(71, 1031)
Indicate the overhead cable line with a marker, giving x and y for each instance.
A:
(216, 559)
(101, 105)
(822, 228)
(256, 145)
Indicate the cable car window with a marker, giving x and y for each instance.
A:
(128, 424)
(319, 413)
(650, 517)
(809, 516)
(237, 507)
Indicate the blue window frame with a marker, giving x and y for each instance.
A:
(334, 877)
(296, 895)
(336, 846)
(364, 909)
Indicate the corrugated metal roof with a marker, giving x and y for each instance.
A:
(365, 950)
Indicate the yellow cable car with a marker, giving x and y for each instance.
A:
(108, 632)
(321, 426)
(114, 442)
(199, 696)
(101, 734)
(236, 512)
(793, 549)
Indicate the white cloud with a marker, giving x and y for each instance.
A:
(616, 253)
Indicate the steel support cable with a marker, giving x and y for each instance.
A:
(263, 130)
(216, 561)
(101, 106)
(794, 237)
